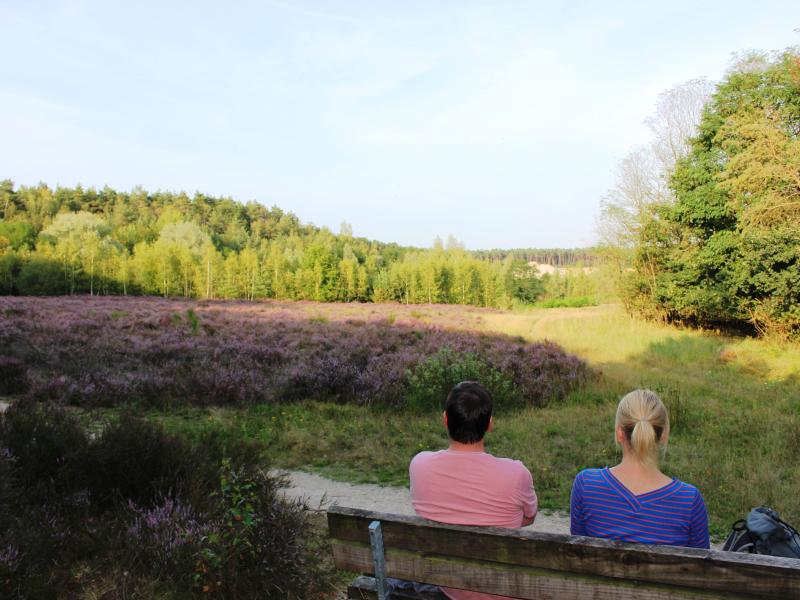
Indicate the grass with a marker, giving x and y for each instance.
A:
(734, 404)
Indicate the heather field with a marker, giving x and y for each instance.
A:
(352, 390)
(96, 501)
(111, 352)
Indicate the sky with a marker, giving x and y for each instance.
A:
(499, 122)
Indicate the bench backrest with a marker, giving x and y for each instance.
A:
(531, 564)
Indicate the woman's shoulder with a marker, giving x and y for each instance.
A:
(687, 489)
(590, 475)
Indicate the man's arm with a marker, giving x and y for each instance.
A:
(530, 504)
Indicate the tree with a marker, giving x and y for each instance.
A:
(77, 238)
(182, 245)
(643, 176)
(726, 250)
(10, 264)
(521, 281)
(19, 234)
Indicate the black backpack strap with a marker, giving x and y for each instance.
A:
(740, 538)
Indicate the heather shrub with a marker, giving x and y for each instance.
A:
(9, 493)
(165, 538)
(48, 447)
(143, 510)
(143, 352)
(542, 372)
(433, 378)
(134, 460)
(13, 376)
(10, 497)
(9, 566)
(263, 546)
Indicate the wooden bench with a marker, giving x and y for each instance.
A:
(536, 565)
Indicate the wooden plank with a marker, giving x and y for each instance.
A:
(687, 567)
(363, 588)
(514, 581)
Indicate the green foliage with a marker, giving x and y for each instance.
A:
(726, 251)
(258, 551)
(193, 320)
(40, 276)
(72, 241)
(572, 302)
(522, 282)
(579, 285)
(431, 380)
(18, 234)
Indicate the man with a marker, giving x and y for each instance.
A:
(464, 485)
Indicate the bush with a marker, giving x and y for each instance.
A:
(261, 547)
(9, 488)
(164, 539)
(142, 510)
(13, 376)
(49, 449)
(430, 381)
(46, 518)
(573, 302)
(133, 460)
(41, 277)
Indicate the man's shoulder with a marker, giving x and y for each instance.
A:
(510, 463)
(425, 456)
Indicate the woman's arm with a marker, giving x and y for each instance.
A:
(698, 526)
(576, 525)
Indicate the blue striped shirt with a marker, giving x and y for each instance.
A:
(602, 507)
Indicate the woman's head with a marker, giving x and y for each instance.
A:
(642, 425)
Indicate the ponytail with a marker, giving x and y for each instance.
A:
(644, 419)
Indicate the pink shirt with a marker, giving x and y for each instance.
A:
(471, 488)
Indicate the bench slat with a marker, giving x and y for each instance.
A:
(514, 581)
(423, 545)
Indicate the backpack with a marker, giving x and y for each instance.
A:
(763, 532)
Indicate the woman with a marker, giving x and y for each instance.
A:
(634, 501)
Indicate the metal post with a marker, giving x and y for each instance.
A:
(378, 559)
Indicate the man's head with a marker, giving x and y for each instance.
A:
(468, 412)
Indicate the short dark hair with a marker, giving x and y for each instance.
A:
(469, 410)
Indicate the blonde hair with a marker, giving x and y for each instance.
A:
(644, 420)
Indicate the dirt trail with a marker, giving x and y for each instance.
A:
(320, 492)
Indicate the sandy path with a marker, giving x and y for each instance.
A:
(321, 492)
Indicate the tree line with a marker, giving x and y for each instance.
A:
(555, 257)
(76, 240)
(710, 212)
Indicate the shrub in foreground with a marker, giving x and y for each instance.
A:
(143, 510)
